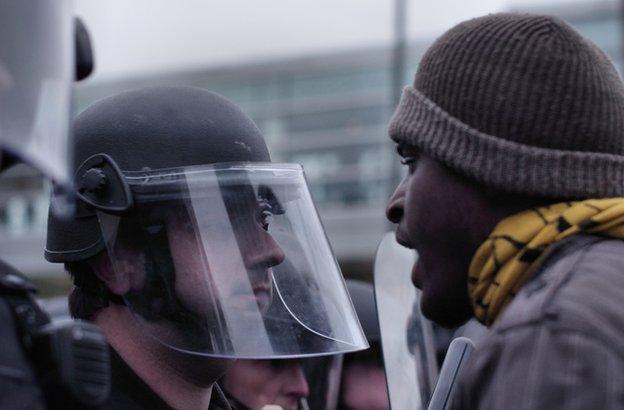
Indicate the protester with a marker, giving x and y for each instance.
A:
(512, 134)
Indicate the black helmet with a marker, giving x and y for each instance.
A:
(218, 251)
(152, 128)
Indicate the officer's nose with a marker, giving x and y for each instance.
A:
(266, 252)
(297, 385)
(394, 209)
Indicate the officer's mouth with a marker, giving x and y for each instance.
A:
(262, 287)
(263, 295)
(257, 293)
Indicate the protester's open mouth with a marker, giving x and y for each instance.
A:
(401, 240)
(417, 272)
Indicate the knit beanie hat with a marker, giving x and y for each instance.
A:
(521, 103)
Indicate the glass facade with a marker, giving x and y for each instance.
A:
(330, 120)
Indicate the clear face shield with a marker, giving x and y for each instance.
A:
(230, 261)
(36, 74)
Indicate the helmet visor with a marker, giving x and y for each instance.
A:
(231, 261)
(36, 73)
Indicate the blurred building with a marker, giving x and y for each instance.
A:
(327, 112)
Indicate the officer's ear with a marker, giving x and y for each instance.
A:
(128, 272)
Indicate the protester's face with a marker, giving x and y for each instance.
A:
(364, 387)
(256, 383)
(445, 219)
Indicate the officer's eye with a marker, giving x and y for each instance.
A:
(265, 215)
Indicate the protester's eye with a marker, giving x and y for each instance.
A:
(410, 161)
(409, 156)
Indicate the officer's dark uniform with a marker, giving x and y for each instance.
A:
(129, 392)
(44, 364)
(19, 388)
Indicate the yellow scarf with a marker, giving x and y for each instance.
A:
(506, 260)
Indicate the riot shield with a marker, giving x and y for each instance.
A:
(406, 336)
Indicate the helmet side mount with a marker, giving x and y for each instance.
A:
(101, 185)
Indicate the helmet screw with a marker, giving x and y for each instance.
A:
(94, 181)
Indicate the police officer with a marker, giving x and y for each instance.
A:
(42, 364)
(182, 248)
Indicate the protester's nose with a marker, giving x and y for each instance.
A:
(394, 209)
(297, 383)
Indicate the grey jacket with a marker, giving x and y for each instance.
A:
(560, 343)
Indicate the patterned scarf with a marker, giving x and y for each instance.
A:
(512, 252)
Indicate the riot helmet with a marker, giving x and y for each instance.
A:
(215, 250)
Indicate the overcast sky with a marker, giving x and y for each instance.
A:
(147, 36)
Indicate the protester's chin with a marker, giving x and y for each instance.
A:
(443, 309)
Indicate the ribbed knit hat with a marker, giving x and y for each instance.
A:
(521, 103)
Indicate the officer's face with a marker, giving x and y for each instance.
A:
(441, 216)
(235, 267)
(256, 383)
